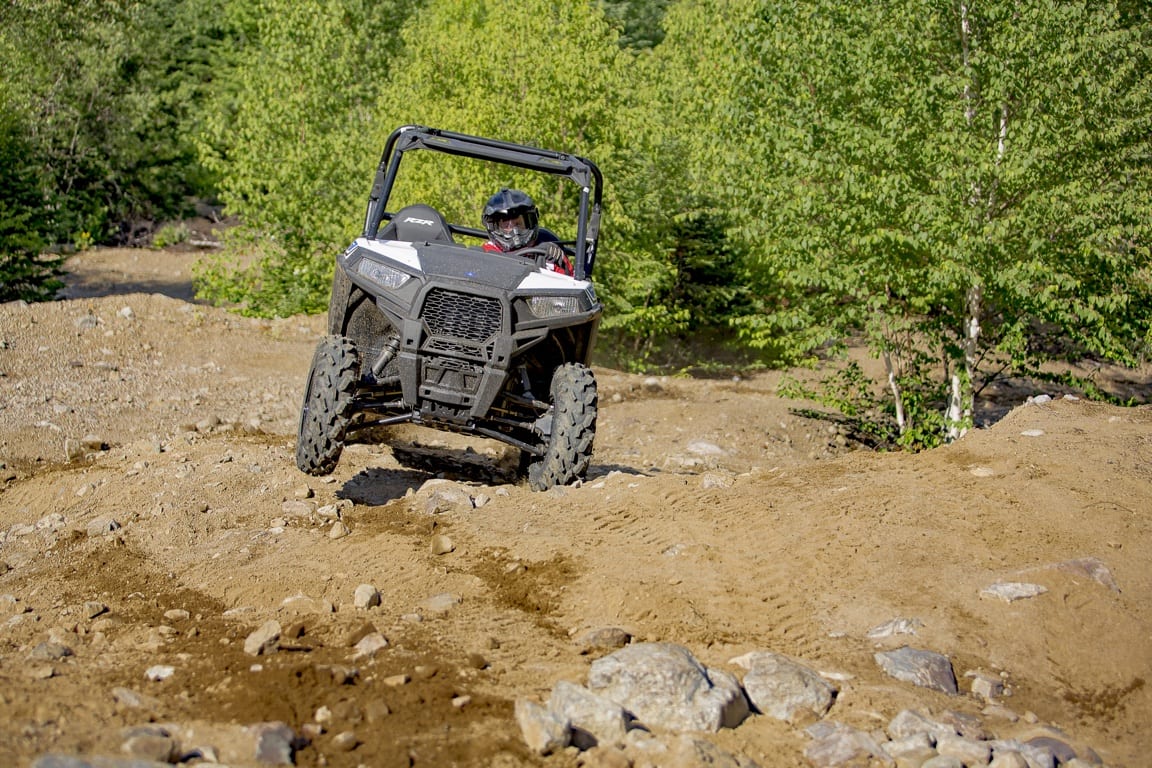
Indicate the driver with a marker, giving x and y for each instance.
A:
(512, 222)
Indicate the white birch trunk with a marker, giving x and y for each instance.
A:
(960, 388)
(897, 395)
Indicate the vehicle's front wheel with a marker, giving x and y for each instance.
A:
(569, 449)
(325, 412)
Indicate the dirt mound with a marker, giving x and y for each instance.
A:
(151, 514)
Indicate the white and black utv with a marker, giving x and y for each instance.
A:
(425, 328)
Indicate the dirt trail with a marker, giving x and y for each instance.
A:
(713, 516)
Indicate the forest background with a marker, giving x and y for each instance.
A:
(962, 186)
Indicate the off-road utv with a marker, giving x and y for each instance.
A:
(426, 328)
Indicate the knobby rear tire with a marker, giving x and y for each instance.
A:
(569, 450)
(325, 412)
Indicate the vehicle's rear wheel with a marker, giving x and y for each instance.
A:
(326, 410)
(569, 449)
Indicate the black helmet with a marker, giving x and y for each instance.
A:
(504, 206)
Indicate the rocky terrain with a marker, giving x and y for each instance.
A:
(172, 588)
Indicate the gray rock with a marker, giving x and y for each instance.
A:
(944, 761)
(689, 752)
(102, 526)
(155, 746)
(304, 604)
(911, 750)
(51, 522)
(369, 645)
(835, 744)
(1092, 567)
(1060, 750)
(544, 731)
(593, 719)
(1034, 756)
(298, 508)
(49, 652)
(969, 726)
(264, 640)
(134, 700)
(704, 448)
(785, 689)
(908, 723)
(1011, 759)
(10, 604)
(1009, 591)
(603, 638)
(438, 605)
(664, 686)
(923, 668)
(441, 496)
(967, 751)
(609, 756)
(894, 627)
(275, 743)
(366, 596)
(986, 687)
(345, 741)
(158, 672)
(717, 481)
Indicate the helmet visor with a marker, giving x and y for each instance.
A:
(510, 230)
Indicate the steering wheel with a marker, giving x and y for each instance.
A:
(539, 253)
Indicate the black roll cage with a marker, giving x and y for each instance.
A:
(578, 169)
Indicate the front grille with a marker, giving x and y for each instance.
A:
(457, 349)
(462, 315)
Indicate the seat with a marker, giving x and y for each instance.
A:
(418, 224)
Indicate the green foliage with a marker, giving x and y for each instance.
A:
(112, 90)
(639, 21)
(872, 413)
(970, 199)
(23, 273)
(291, 138)
(548, 75)
(671, 234)
(970, 204)
(171, 234)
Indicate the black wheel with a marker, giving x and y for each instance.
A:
(327, 400)
(569, 449)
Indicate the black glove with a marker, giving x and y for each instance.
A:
(553, 253)
(556, 259)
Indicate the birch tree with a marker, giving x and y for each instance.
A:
(965, 183)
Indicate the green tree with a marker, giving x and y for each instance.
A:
(548, 75)
(640, 21)
(112, 89)
(966, 185)
(292, 138)
(323, 88)
(23, 273)
(685, 267)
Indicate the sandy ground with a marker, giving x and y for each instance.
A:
(128, 402)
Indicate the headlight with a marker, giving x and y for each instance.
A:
(382, 274)
(553, 306)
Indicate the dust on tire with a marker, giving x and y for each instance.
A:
(569, 449)
(328, 396)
